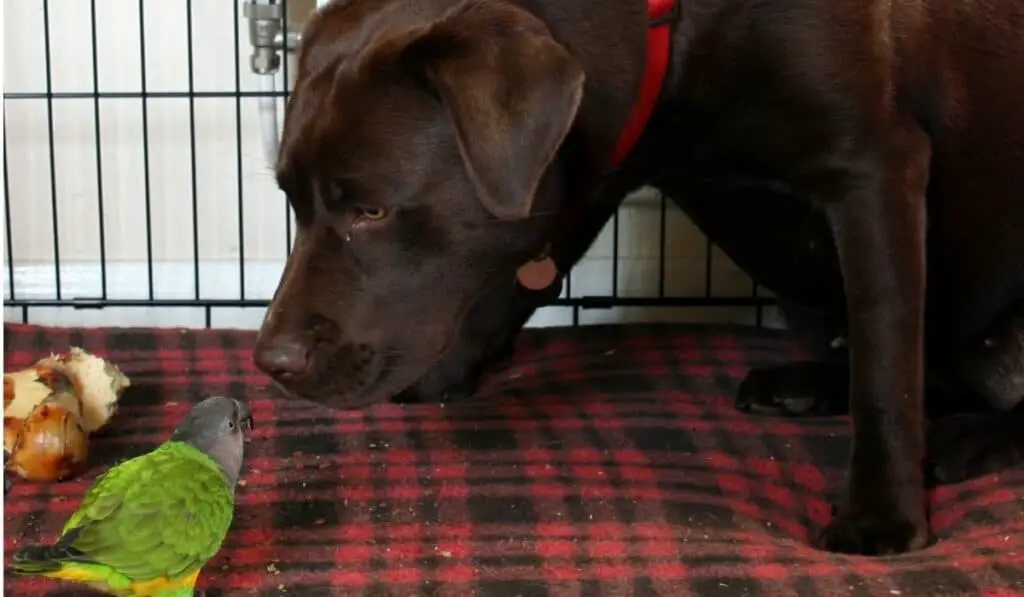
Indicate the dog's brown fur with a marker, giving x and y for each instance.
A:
(865, 159)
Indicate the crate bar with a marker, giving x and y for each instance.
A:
(53, 160)
(238, 144)
(89, 303)
(189, 56)
(585, 302)
(663, 241)
(608, 302)
(99, 149)
(145, 151)
(615, 253)
(284, 73)
(7, 219)
(144, 94)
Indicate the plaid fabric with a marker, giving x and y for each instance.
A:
(603, 461)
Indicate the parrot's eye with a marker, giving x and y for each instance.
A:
(231, 424)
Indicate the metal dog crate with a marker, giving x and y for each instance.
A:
(67, 195)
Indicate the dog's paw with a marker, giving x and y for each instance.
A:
(967, 446)
(877, 533)
(795, 389)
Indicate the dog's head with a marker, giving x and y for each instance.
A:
(419, 155)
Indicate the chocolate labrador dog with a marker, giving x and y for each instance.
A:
(449, 160)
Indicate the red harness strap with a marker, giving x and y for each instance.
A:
(658, 45)
(540, 272)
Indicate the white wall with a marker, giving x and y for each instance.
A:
(218, 159)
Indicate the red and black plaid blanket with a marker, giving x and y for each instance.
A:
(603, 461)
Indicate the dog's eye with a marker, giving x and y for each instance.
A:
(372, 213)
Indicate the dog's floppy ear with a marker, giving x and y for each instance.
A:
(512, 92)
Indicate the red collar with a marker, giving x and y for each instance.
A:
(661, 14)
(541, 272)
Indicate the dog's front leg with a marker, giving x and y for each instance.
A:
(878, 219)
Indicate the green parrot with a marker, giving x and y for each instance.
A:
(148, 525)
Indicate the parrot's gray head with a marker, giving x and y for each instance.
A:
(214, 426)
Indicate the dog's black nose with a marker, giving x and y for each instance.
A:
(282, 357)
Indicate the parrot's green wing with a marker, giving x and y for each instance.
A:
(161, 515)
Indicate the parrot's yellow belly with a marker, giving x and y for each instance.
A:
(157, 587)
(161, 586)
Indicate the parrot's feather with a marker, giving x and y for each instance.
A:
(40, 559)
(133, 519)
(100, 577)
(94, 575)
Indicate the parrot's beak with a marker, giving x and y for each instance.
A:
(244, 415)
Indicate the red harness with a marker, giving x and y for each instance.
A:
(541, 272)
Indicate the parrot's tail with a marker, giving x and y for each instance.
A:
(39, 559)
